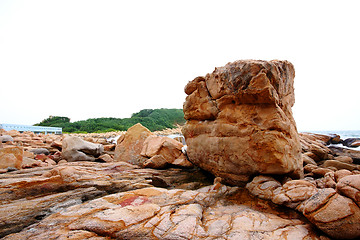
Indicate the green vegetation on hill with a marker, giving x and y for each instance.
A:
(153, 119)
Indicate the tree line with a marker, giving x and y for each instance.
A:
(153, 119)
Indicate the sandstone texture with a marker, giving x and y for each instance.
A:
(45, 196)
(334, 211)
(213, 212)
(11, 156)
(239, 121)
(29, 195)
(130, 144)
(34, 200)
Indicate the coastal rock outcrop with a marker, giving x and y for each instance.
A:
(335, 214)
(212, 212)
(239, 121)
(29, 195)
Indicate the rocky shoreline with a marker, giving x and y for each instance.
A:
(46, 188)
(245, 173)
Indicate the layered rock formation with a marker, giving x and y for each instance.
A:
(29, 195)
(239, 121)
(213, 212)
(55, 199)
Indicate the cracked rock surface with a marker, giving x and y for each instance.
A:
(333, 210)
(240, 123)
(212, 212)
(29, 195)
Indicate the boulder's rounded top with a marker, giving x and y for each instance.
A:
(272, 80)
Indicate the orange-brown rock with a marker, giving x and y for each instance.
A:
(350, 187)
(130, 144)
(212, 212)
(239, 121)
(335, 214)
(11, 157)
(28, 195)
(162, 151)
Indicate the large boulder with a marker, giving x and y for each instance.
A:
(130, 144)
(76, 149)
(239, 121)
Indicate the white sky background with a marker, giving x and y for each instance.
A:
(89, 59)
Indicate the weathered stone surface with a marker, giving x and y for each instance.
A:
(157, 161)
(76, 149)
(314, 146)
(340, 165)
(21, 213)
(30, 163)
(336, 215)
(11, 157)
(37, 192)
(339, 151)
(214, 212)
(240, 122)
(350, 186)
(106, 158)
(130, 144)
(159, 148)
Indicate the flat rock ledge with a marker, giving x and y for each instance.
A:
(212, 212)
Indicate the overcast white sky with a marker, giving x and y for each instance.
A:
(88, 59)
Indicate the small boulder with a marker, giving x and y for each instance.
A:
(30, 163)
(57, 145)
(169, 149)
(11, 157)
(157, 162)
(6, 138)
(40, 151)
(76, 149)
(106, 158)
